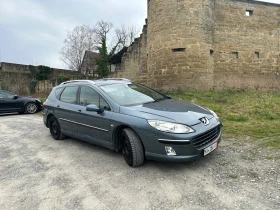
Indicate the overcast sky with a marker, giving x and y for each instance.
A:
(32, 31)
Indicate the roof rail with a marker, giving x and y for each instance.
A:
(72, 81)
(116, 79)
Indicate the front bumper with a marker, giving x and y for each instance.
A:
(187, 146)
(179, 158)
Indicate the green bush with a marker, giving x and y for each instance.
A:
(61, 78)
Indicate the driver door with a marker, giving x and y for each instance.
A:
(96, 126)
(8, 103)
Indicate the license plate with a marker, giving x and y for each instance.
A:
(210, 148)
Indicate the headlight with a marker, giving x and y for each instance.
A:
(170, 127)
(213, 113)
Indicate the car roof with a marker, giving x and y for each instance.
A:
(100, 82)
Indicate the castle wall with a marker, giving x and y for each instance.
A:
(180, 36)
(205, 44)
(246, 47)
(134, 61)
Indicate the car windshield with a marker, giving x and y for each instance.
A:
(131, 94)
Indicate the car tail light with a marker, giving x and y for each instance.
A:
(44, 104)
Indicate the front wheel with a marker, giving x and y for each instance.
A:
(55, 129)
(132, 148)
(31, 108)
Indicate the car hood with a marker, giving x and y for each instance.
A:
(170, 110)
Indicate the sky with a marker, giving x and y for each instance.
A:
(33, 31)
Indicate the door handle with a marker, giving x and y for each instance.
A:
(79, 110)
(58, 106)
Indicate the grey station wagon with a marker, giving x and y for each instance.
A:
(132, 118)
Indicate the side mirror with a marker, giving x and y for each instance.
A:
(15, 97)
(94, 108)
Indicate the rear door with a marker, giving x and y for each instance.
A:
(67, 108)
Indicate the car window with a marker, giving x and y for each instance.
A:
(89, 96)
(103, 104)
(69, 94)
(58, 91)
(4, 94)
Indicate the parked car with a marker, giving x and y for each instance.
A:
(10, 102)
(132, 118)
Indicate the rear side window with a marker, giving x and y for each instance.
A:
(58, 91)
(90, 96)
(69, 95)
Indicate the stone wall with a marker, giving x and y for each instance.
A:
(247, 47)
(205, 44)
(17, 77)
(134, 61)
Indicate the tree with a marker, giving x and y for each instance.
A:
(102, 30)
(126, 35)
(103, 61)
(78, 40)
(98, 38)
(123, 37)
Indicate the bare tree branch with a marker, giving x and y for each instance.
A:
(85, 38)
(78, 40)
(102, 29)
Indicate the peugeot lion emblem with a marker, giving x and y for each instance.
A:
(204, 120)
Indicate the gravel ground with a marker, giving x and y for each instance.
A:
(37, 172)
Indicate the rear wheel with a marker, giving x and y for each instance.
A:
(31, 108)
(132, 148)
(55, 129)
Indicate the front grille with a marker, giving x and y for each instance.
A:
(201, 140)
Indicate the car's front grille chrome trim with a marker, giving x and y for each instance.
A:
(172, 141)
(84, 124)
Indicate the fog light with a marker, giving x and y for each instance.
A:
(170, 151)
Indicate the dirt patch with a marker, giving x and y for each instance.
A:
(37, 172)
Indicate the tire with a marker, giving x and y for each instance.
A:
(55, 129)
(31, 108)
(132, 148)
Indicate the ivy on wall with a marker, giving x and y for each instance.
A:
(61, 78)
(40, 73)
(37, 74)
(32, 86)
(44, 72)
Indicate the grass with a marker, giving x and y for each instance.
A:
(244, 113)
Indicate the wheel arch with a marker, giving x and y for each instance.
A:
(48, 120)
(117, 140)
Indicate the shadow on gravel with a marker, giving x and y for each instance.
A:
(110, 155)
(8, 114)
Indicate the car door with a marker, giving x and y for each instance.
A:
(95, 126)
(66, 109)
(8, 103)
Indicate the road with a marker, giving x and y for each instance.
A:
(37, 172)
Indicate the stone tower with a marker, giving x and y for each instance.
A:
(180, 43)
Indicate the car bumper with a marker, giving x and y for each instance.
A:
(182, 157)
(185, 147)
(44, 118)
